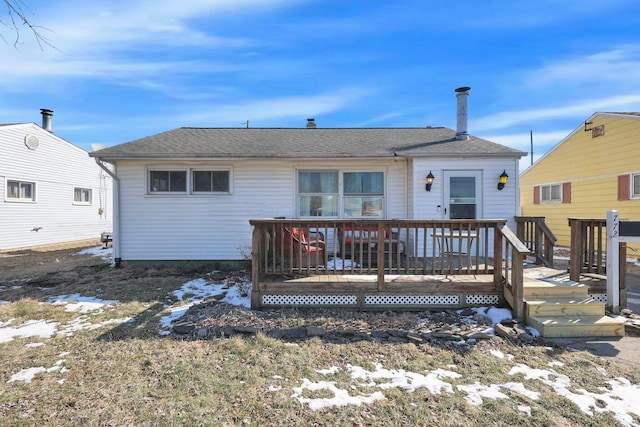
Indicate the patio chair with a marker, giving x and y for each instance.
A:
(293, 244)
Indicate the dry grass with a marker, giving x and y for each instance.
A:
(127, 374)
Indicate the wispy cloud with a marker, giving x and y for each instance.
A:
(259, 111)
(620, 64)
(583, 109)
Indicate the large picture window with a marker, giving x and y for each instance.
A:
(551, 193)
(21, 191)
(320, 193)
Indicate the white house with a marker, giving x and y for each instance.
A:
(189, 193)
(51, 191)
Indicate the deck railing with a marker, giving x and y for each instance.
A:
(537, 237)
(588, 247)
(512, 271)
(299, 248)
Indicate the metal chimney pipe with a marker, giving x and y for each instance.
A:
(462, 93)
(311, 123)
(46, 119)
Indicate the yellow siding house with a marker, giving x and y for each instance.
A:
(594, 169)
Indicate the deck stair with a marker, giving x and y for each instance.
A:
(558, 309)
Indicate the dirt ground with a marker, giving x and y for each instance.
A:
(30, 274)
(36, 274)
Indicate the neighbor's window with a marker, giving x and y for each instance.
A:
(81, 196)
(211, 181)
(635, 185)
(21, 191)
(318, 193)
(167, 181)
(550, 193)
(363, 194)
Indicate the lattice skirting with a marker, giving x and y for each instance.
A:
(309, 300)
(599, 297)
(397, 301)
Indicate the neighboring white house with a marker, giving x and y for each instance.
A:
(51, 191)
(189, 193)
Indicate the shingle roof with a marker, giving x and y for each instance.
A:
(304, 143)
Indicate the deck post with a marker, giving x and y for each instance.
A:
(622, 275)
(498, 265)
(517, 284)
(256, 239)
(577, 249)
(380, 255)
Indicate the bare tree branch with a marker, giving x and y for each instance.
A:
(18, 13)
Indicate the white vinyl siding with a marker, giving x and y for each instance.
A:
(56, 167)
(495, 204)
(218, 228)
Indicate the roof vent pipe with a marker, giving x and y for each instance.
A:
(311, 123)
(46, 119)
(462, 93)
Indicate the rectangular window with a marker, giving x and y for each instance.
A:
(635, 187)
(363, 194)
(318, 193)
(211, 181)
(551, 193)
(360, 195)
(21, 191)
(167, 181)
(81, 196)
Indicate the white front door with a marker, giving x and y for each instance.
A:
(462, 194)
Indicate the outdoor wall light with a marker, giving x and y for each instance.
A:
(503, 180)
(429, 180)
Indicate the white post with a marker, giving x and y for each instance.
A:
(613, 261)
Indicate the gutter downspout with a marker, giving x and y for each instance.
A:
(116, 212)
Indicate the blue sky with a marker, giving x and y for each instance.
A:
(122, 70)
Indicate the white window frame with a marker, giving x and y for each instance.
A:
(34, 194)
(341, 193)
(551, 200)
(193, 191)
(634, 194)
(83, 191)
(189, 181)
(166, 193)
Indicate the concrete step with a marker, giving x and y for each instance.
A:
(538, 288)
(564, 306)
(578, 326)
